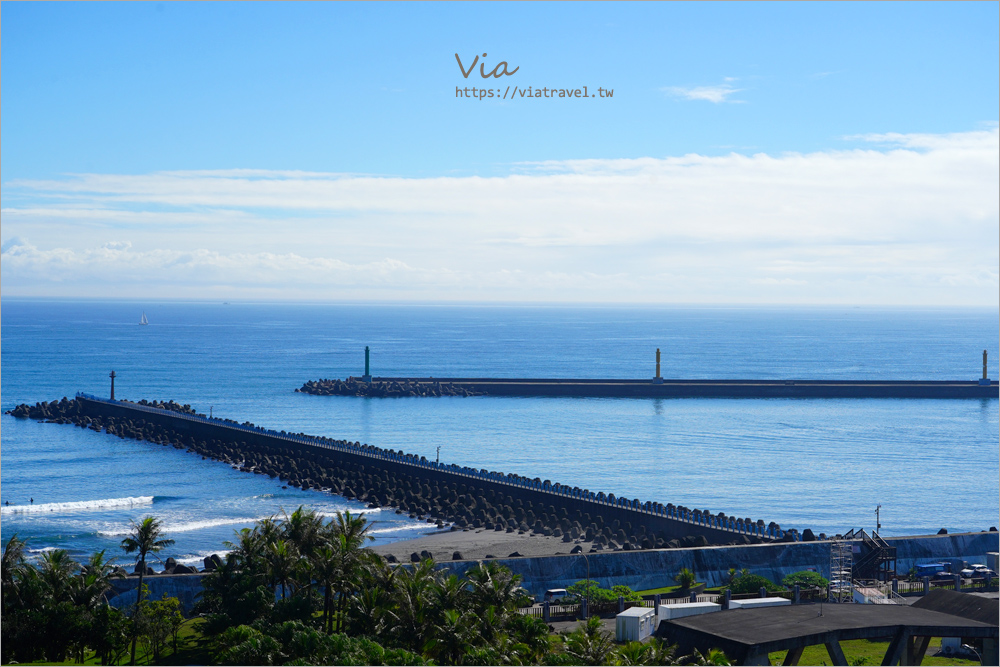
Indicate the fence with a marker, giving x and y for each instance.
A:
(668, 511)
(968, 585)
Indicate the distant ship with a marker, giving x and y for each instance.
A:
(143, 320)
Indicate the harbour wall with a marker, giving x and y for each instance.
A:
(663, 388)
(644, 570)
(496, 496)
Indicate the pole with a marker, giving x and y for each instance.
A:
(878, 525)
(112, 376)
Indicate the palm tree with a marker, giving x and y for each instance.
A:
(532, 637)
(13, 571)
(248, 551)
(662, 653)
(712, 657)
(13, 559)
(347, 535)
(590, 644)
(453, 637)
(685, 578)
(56, 570)
(635, 653)
(95, 579)
(492, 585)
(304, 529)
(146, 538)
(326, 569)
(409, 615)
(283, 563)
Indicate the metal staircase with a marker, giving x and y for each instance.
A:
(861, 565)
(876, 561)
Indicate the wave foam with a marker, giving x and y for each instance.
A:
(81, 505)
(399, 529)
(168, 528)
(199, 560)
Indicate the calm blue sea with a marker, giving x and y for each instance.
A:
(823, 464)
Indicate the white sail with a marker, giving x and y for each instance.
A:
(143, 320)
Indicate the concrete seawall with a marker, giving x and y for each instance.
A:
(642, 570)
(612, 388)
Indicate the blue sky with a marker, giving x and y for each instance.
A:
(752, 153)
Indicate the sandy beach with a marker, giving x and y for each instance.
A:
(480, 543)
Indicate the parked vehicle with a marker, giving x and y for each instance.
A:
(555, 595)
(933, 570)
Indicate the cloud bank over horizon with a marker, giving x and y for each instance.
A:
(912, 220)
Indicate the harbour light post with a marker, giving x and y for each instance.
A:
(368, 373)
(112, 376)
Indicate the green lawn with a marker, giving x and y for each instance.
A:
(667, 589)
(871, 653)
(190, 651)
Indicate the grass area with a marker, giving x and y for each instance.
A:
(191, 650)
(864, 652)
(666, 589)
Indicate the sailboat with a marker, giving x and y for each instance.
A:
(143, 320)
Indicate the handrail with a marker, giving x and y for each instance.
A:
(668, 511)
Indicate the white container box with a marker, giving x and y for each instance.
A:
(672, 611)
(635, 624)
(758, 602)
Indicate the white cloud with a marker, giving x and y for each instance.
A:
(913, 219)
(717, 94)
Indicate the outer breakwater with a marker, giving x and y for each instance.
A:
(426, 490)
(588, 388)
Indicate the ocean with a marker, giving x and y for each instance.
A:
(824, 464)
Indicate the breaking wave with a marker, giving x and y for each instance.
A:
(78, 506)
(118, 531)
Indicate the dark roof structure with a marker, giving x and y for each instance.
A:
(749, 635)
(974, 607)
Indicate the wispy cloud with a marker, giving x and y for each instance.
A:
(718, 94)
(905, 218)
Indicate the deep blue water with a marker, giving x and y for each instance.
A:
(823, 464)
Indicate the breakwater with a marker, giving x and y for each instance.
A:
(388, 387)
(426, 490)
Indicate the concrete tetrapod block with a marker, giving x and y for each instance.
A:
(671, 611)
(759, 602)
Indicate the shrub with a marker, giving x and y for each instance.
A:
(685, 578)
(625, 592)
(804, 579)
(751, 583)
(597, 594)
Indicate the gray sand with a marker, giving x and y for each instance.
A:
(478, 543)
